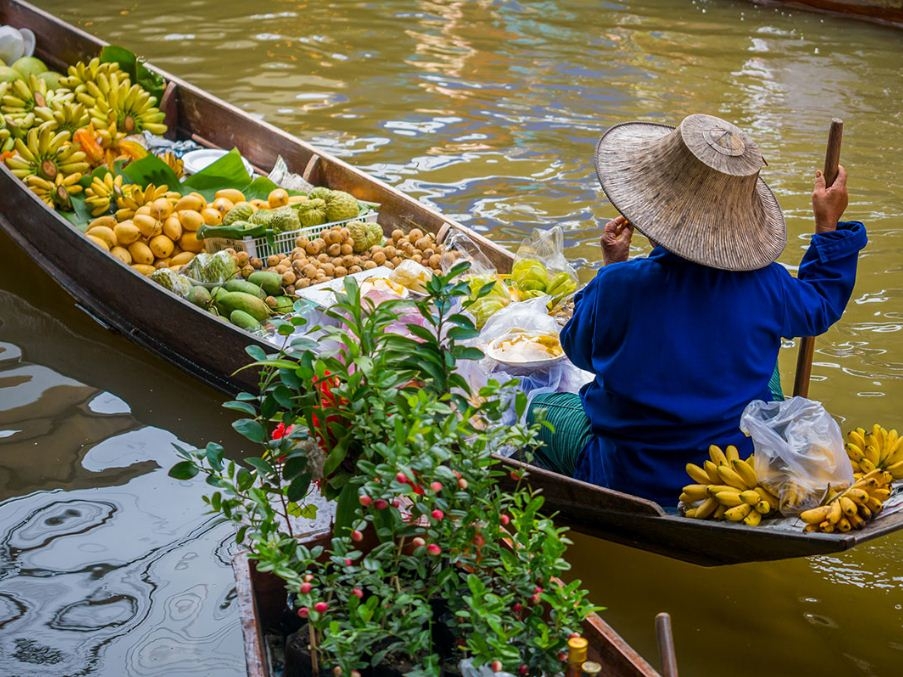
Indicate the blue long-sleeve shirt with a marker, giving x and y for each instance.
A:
(679, 350)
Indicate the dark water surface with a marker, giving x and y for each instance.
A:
(489, 110)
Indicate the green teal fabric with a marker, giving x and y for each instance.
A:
(562, 446)
(774, 385)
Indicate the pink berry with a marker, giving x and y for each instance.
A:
(462, 483)
(517, 607)
(321, 607)
(365, 500)
(308, 577)
(436, 486)
(433, 549)
(401, 478)
(381, 504)
(523, 669)
(357, 536)
(496, 666)
(348, 562)
(418, 542)
(302, 612)
(537, 589)
(437, 514)
(357, 592)
(534, 599)
(504, 519)
(305, 588)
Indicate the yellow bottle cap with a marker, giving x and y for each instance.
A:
(577, 647)
(590, 668)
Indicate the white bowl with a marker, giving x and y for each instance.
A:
(525, 359)
(196, 160)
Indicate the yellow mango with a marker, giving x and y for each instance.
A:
(161, 246)
(141, 253)
(190, 219)
(211, 216)
(126, 233)
(161, 208)
(278, 197)
(122, 254)
(192, 201)
(181, 259)
(189, 242)
(172, 227)
(143, 268)
(148, 225)
(100, 242)
(104, 233)
(232, 194)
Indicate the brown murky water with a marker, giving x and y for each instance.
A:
(488, 110)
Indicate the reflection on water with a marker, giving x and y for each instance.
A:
(489, 110)
(106, 565)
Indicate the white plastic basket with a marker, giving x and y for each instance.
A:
(283, 243)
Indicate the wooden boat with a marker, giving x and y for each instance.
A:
(887, 12)
(261, 601)
(213, 351)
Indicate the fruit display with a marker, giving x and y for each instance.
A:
(879, 448)
(726, 488)
(850, 508)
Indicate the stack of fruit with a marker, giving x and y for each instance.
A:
(726, 487)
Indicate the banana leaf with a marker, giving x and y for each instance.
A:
(138, 73)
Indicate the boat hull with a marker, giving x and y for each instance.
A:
(886, 12)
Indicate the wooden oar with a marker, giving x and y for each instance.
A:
(666, 644)
(807, 344)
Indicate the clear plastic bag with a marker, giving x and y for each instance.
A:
(464, 248)
(540, 267)
(799, 451)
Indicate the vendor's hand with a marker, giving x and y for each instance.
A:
(829, 203)
(615, 240)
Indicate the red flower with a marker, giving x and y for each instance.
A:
(282, 430)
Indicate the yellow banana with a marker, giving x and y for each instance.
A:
(835, 513)
(763, 507)
(747, 474)
(815, 515)
(706, 508)
(736, 514)
(854, 452)
(729, 498)
(847, 506)
(753, 518)
(719, 512)
(729, 476)
(750, 496)
(714, 489)
(843, 525)
(857, 437)
(731, 453)
(711, 470)
(694, 492)
(698, 474)
(717, 456)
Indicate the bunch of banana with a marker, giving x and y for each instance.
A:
(46, 153)
(98, 90)
(726, 487)
(102, 193)
(174, 162)
(24, 96)
(66, 115)
(880, 448)
(132, 197)
(55, 193)
(850, 508)
(7, 142)
(131, 108)
(81, 73)
(18, 126)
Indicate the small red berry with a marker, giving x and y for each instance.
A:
(348, 562)
(496, 666)
(357, 592)
(302, 612)
(535, 599)
(401, 478)
(305, 588)
(504, 519)
(517, 607)
(437, 514)
(479, 541)
(436, 486)
(357, 536)
(396, 502)
(537, 589)
(573, 635)
(308, 577)
(365, 500)
(417, 542)
(321, 607)
(418, 489)
(523, 669)
(462, 483)
(515, 476)
(562, 656)
(433, 549)
(381, 504)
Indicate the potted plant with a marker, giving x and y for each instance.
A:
(429, 561)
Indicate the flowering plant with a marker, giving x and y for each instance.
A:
(430, 560)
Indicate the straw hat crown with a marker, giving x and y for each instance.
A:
(694, 189)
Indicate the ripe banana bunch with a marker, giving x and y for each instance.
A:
(131, 108)
(24, 96)
(174, 162)
(880, 448)
(726, 487)
(102, 193)
(66, 115)
(7, 142)
(46, 153)
(55, 193)
(96, 91)
(850, 508)
(81, 73)
(133, 197)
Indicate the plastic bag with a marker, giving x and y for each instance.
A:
(465, 249)
(281, 176)
(799, 451)
(540, 267)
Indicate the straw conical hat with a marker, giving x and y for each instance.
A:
(694, 189)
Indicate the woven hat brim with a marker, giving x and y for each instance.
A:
(725, 230)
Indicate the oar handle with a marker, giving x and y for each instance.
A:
(807, 344)
(666, 644)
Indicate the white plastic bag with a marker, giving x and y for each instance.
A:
(799, 451)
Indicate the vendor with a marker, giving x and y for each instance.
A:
(681, 340)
